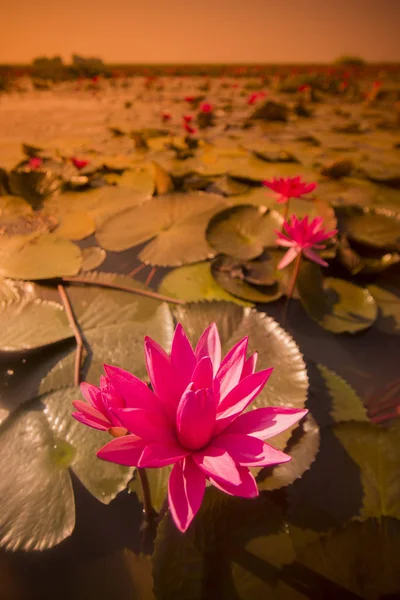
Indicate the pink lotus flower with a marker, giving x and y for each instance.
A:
(206, 107)
(301, 236)
(304, 87)
(187, 118)
(189, 129)
(79, 163)
(166, 115)
(98, 410)
(35, 163)
(193, 419)
(252, 99)
(289, 187)
(190, 99)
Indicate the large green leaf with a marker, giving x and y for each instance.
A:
(389, 309)
(378, 229)
(337, 305)
(177, 221)
(346, 403)
(303, 453)
(114, 324)
(231, 274)
(37, 500)
(193, 283)
(93, 257)
(377, 452)
(243, 231)
(362, 558)
(39, 257)
(103, 479)
(27, 324)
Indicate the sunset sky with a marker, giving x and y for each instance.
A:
(200, 31)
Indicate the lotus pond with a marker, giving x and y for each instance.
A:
(131, 204)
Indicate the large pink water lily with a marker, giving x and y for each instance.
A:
(300, 236)
(289, 187)
(193, 419)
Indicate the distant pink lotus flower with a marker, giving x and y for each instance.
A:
(187, 118)
(35, 163)
(190, 99)
(253, 98)
(193, 419)
(189, 129)
(304, 87)
(289, 187)
(166, 115)
(206, 107)
(300, 237)
(101, 402)
(79, 163)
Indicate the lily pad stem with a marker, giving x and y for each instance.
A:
(292, 285)
(78, 336)
(147, 501)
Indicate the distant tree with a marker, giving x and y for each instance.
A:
(350, 61)
(89, 67)
(49, 68)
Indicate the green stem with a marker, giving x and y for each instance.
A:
(285, 213)
(147, 502)
(292, 285)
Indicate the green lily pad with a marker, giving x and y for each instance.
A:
(389, 309)
(303, 454)
(27, 324)
(114, 324)
(373, 228)
(377, 452)
(337, 305)
(93, 257)
(38, 257)
(346, 403)
(361, 558)
(194, 283)
(38, 508)
(231, 275)
(177, 221)
(243, 231)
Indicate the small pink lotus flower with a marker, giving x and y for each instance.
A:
(206, 107)
(193, 419)
(189, 129)
(79, 163)
(35, 163)
(289, 187)
(99, 409)
(252, 99)
(304, 87)
(187, 118)
(190, 99)
(166, 116)
(301, 236)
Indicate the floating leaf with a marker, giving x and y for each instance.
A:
(75, 225)
(93, 257)
(346, 403)
(28, 324)
(303, 454)
(231, 275)
(102, 479)
(361, 557)
(38, 508)
(163, 181)
(177, 221)
(389, 309)
(34, 185)
(114, 324)
(194, 283)
(337, 305)
(243, 231)
(377, 452)
(40, 257)
(373, 228)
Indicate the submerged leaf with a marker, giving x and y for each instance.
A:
(377, 452)
(346, 403)
(389, 309)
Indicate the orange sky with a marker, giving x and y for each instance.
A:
(200, 30)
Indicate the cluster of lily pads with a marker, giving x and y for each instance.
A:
(195, 205)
